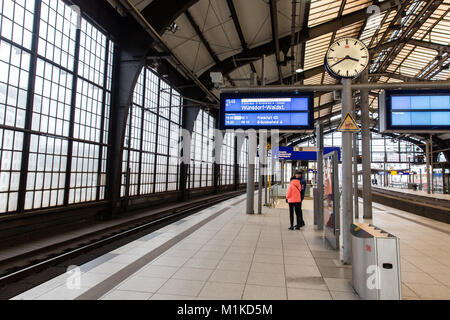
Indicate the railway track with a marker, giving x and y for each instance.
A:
(20, 279)
(437, 209)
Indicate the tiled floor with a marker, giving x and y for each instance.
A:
(237, 256)
(424, 252)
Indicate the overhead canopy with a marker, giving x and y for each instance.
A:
(408, 40)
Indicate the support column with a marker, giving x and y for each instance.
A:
(236, 165)
(262, 166)
(266, 177)
(252, 145)
(444, 184)
(428, 167)
(218, 145)
(274, 141)
(355, 176)
(260, 175)
(188, 119)
(366, 152)
(347, 190)
(124, 82)
(420, 179)
(319, 180)
(431, 164)
(385, 176)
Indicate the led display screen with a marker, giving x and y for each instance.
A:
(418, 110)
(284, 111)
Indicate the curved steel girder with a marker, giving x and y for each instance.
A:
(243, 58)
(296, 139)
(162, 13)
(320, 69)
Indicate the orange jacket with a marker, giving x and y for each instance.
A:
(293, 194)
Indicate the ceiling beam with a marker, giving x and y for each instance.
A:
(237, 26)
(441, 65)
(275, 35)
(243, 58)
(305, 12)
(413, 27)
(201, 36)
(395, 76)
(301, 75)
(162, 13)
(320, 69)
(429, 45)
(205, 42)
(177, 62)
(328, 129)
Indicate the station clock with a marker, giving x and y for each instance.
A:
(346, 58)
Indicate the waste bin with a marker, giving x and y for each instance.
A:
(376, 263)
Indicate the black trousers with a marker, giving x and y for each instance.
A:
(297, 207)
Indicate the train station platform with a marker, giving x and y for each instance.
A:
(222, 253)
(420, 193)
(433, 206)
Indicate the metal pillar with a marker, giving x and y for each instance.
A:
(264, 149)
(236, 159)
(262, 165)
(444, 184)
(294, 166)
(366, 152)
(274, 142)
(409, 169)
(385, 176)
(420, 179)
(263, 70)
(266, 176)
(347, 194)
(428, 167)
(260, 186)
(355, 175)
(431, 164)
(252, 145)
(319, 180)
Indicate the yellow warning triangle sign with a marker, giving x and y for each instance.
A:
(348, 124)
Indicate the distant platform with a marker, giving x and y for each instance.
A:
(420, 193)
(433, 206)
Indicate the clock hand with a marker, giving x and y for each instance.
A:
(339, 62)
(357, 60)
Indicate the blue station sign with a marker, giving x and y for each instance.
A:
(301, 154)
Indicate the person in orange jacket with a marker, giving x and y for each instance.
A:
(294, 198)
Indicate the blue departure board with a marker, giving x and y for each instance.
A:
(284, 111)
(417, 110)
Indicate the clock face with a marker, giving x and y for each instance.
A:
(347, 58)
